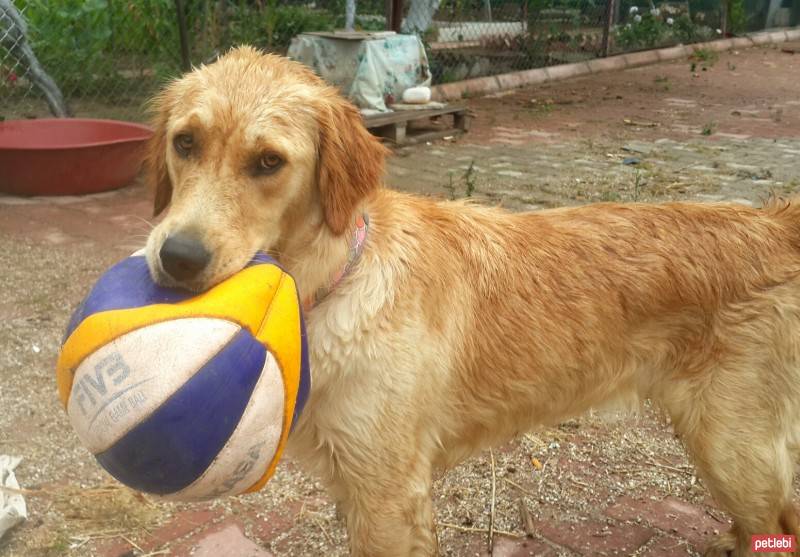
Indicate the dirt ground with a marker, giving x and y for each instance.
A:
(737, 93)
(590, 486)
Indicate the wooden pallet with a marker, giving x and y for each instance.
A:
(394, 125)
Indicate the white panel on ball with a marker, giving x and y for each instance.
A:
(250, 448)
(126, 380)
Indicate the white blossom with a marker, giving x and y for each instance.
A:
(655, 12)
(670, 21)
(634, 9)
(719, 31)
(637, 18)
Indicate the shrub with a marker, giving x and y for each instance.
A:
(272, 26)
(649, 28)
(114, 47)
(737, 17)
(84, 44)
(288, 21)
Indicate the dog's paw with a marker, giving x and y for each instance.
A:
(722, 545)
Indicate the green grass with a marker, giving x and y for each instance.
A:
(705, 56)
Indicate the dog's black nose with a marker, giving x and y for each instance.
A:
(183, 256)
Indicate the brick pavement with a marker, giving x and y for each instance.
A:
(632, 526)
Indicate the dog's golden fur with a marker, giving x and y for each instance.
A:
(461, 327)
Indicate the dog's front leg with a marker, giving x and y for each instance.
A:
(389, 512)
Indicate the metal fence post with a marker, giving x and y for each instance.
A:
(611, 10)
(723, 17)
(394, 15)
(186, 63)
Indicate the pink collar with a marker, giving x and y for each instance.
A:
(356, 247)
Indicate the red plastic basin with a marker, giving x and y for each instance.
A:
(69, 156)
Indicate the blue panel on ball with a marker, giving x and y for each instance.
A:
(125, 285)
(262, 257)
(172, 447)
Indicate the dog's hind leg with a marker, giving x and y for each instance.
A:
(738, 429)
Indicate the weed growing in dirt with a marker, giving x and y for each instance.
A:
(663, 80)
(703, 57)
(638, 182)
(451, 188)
(470, 179)
(708, 128)
(706, 56)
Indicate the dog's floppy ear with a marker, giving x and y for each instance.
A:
(351, 161)
(155, 164)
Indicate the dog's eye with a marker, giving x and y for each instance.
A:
(269, 163)
(183, 144)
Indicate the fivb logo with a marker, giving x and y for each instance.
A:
(773, 544)
(109, 372)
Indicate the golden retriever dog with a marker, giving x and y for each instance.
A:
(458, 327)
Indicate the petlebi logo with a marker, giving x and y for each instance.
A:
(773, 543)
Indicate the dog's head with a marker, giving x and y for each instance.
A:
(253, 152)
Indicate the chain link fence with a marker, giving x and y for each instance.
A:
(107, 57)
(475, 38)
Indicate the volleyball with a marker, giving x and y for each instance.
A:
(185, 395)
